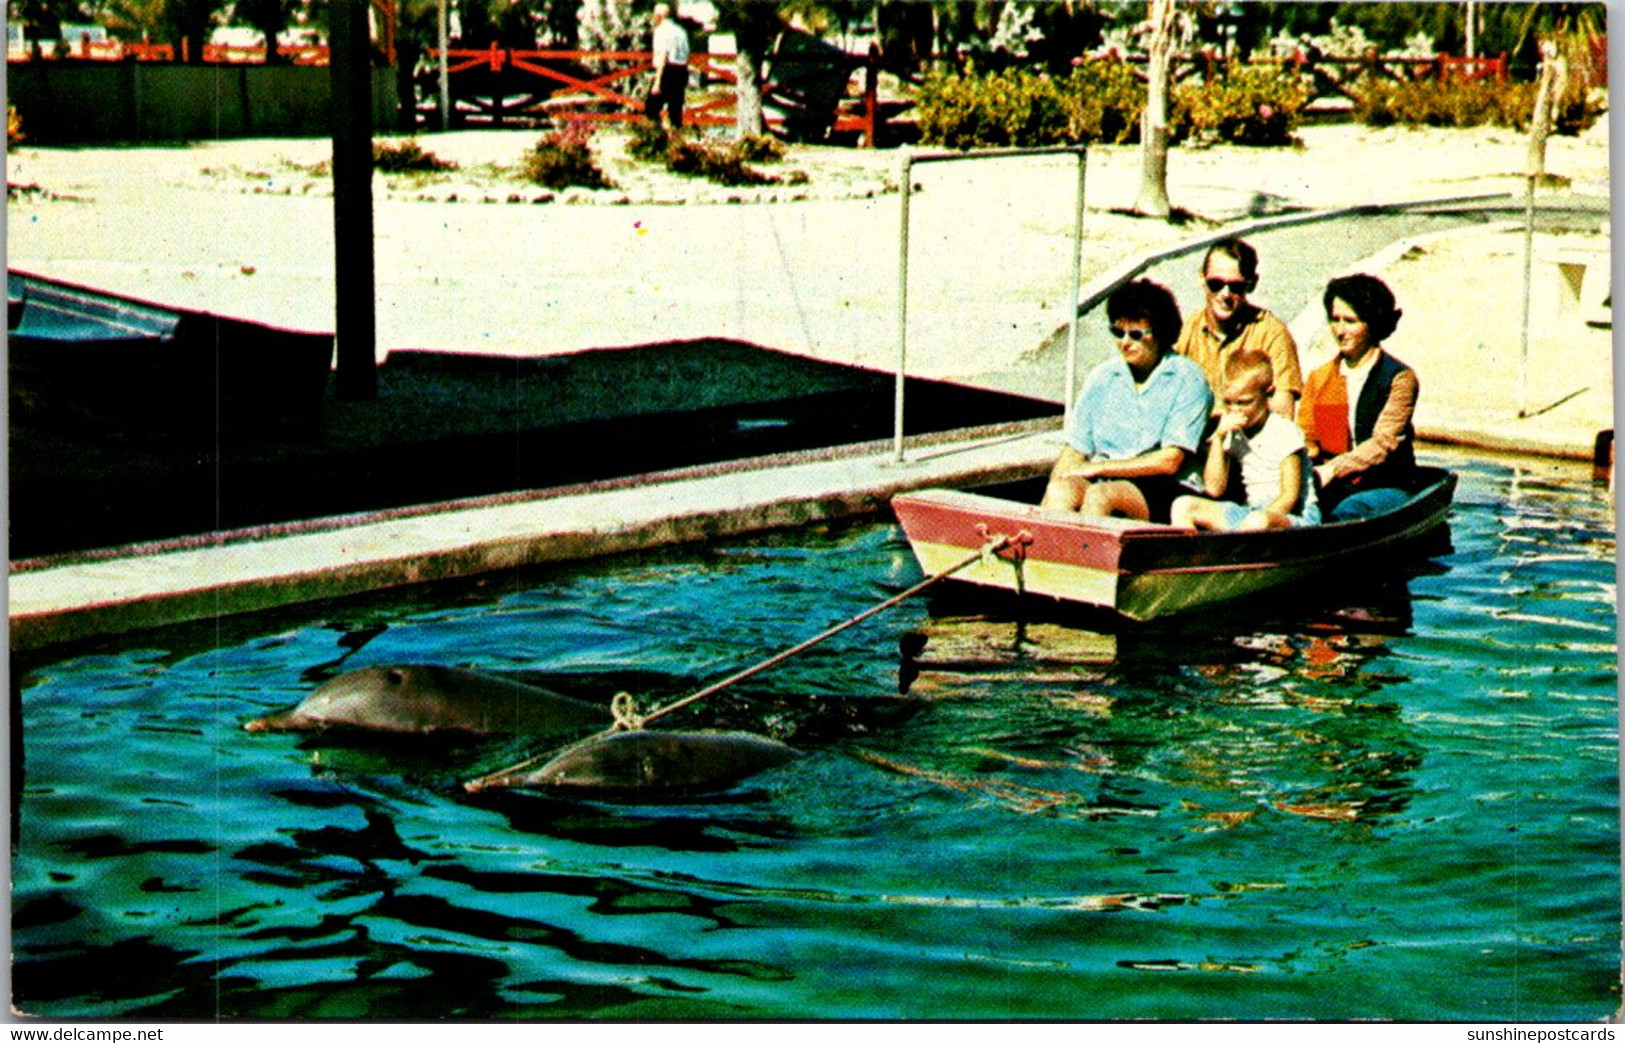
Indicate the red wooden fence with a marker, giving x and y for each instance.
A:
(497, 86)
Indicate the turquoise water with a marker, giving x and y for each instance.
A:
(1393, 803)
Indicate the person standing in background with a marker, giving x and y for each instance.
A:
(670, 67)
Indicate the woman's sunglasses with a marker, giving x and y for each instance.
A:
(1137, 333)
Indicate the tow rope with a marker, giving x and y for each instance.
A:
(627, 718)
(624, 707)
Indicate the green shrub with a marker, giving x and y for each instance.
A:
(564, 158)
(1578, 110)
(1431, 103)
(404, 157)
(1254, 105)
(726, 163)
(1103, 100)
(1010, 108)
(722, 162)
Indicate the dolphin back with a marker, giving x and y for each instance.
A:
(648, 764)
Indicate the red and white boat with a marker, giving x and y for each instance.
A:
(1143, 570)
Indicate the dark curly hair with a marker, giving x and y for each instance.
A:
(1153, 302)
(1371, 300)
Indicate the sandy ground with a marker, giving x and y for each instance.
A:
(476, 260)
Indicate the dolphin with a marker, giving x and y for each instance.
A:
(646, 764)
(423, 700)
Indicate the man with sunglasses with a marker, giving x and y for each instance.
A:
(1228, 323)
(1139, 418)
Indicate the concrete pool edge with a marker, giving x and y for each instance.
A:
(142, 589)
(158, 585)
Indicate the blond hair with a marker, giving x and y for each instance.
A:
(1250, 368)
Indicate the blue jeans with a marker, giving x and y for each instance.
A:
(1368, 503)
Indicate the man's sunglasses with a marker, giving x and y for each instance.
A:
(1137, 333)
(1239, 286)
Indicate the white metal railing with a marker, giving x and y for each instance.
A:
(1070, 309)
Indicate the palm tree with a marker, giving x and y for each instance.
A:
(1153, 200)
(1579, 32)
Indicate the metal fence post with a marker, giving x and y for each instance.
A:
(1071, 309)
(1069, 392)
(902, 309)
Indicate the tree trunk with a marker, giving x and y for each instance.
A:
(748, 119)
(270, 31)
(1153, 200)
(1548, 90)
(755, 25)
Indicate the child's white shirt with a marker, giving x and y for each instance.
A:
(1261, 455)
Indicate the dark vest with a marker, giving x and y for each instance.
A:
(1396, 470)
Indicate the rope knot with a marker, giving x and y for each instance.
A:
(992, 544)
(627, 718)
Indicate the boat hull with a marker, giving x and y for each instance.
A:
(1143, 570)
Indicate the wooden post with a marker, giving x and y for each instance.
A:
(871, 96)
(445, 73)
(355, 308)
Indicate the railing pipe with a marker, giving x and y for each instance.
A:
(902, 308)
(907, 191)
(1069, 393)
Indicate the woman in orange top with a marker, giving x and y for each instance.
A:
(1356, 409)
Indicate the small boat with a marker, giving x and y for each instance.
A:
(1143, 570)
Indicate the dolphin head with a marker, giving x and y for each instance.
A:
(378, 698)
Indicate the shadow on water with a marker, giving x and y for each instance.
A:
(1200, 700)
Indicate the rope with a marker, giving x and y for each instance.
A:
(993, 546)
(625, 711)
(624, 707)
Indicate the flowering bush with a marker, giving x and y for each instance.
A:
(649, 142)
(722, 162)
(564, 158)
(1255, 105)
(1104, 101)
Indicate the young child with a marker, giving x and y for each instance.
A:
(1277, 489)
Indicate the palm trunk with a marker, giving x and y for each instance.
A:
(748, 68)
(1153, 200)
(1549, 86)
